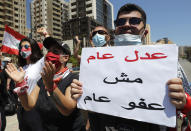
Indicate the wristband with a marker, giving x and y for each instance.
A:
(21, 90)
(22, 83)
(187, 106)
(51, 89)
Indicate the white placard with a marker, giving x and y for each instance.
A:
(129, 82)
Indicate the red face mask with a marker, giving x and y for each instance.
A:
(54, 58)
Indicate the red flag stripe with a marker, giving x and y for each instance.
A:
(14, 33)
(6, 49)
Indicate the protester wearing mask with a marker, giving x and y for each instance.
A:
(130, 30)
(29, 54)
(99, 37)
(3, 92)
(51, 97)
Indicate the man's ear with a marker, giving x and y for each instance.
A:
(145, 33)
(64, 58)
(107, 37)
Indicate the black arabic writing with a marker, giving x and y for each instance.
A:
(100, 99)
(143, 105)
(124, 79)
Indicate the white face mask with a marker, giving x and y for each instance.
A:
(127, 39)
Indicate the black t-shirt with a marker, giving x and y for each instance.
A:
(3, 92)
(101, 122)
(3, 86)
(52, 119)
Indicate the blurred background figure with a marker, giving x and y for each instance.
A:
(99, 37)
(7, 97)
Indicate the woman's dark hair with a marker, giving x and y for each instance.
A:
(35, 50)
(132, 7)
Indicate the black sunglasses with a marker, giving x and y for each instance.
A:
(132, 21)
(25, 46)
(101, 32)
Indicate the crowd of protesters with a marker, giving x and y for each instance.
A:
(52, 104)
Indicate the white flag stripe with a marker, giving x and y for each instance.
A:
(10, 41)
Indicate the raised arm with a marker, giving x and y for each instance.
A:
(43, 32)
(77, 48)
(64, 103)
(27, 101)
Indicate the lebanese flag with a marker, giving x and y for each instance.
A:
(11, 40)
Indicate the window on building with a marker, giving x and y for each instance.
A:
(56, 34)
(8, 23)
(89, 12)
(16, 3)
(9, 11)
(9, 5)
(1, 29)
(74, 3)
(89, 5)
(56, 19)
(16, 15)
(16, 9)
(55, 4)
(54, 9)
(74, 16)
(56, 29)
(1, 4)
(56, 24)
(73, 10)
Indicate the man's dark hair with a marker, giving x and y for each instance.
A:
(132, 7)
(36, 53)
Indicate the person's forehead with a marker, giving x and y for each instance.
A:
(100, 28)
(56, 47)
(25, 43)
(129, 14)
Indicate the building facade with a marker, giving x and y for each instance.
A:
(79, 26)
(48, 13)
(84, 16)
(100, 10)
(164, 41)
(13, 14)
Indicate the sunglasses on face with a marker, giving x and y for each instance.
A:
(101, 32)
(25, 46)
(132, 21)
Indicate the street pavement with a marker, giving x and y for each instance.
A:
(12, 123)
(187, 67)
